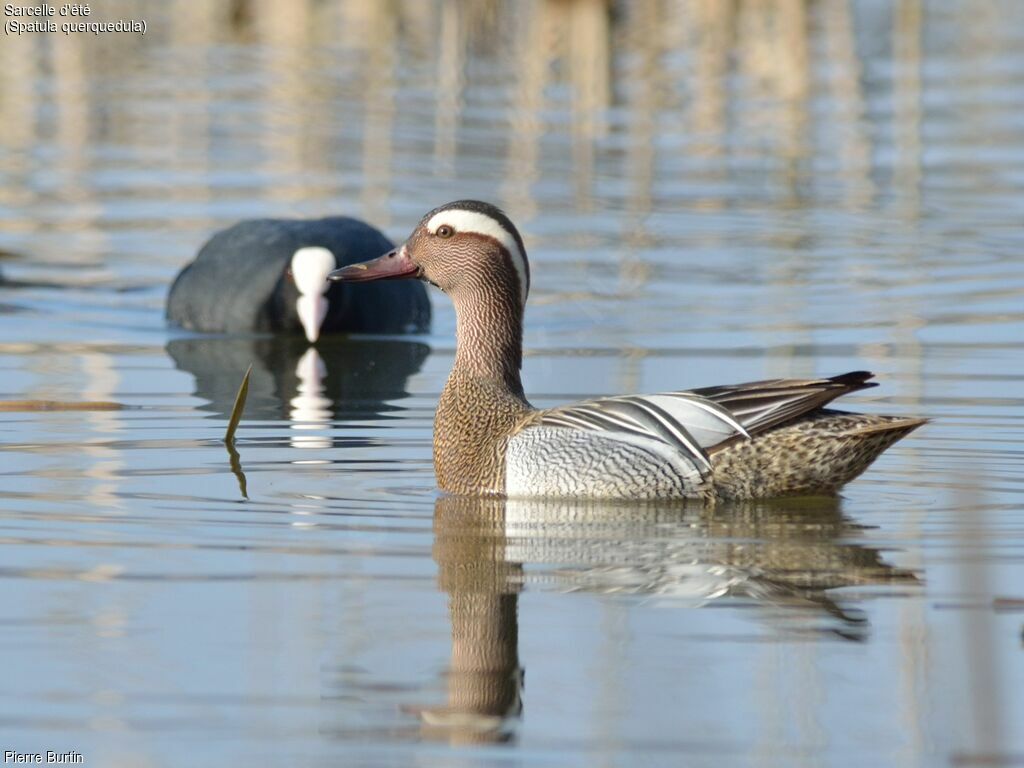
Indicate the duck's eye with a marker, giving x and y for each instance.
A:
(444, 231)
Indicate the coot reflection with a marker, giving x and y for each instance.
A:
(340, 378)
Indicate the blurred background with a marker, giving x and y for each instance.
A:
(709, 190)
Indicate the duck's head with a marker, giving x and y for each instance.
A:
(461, 248)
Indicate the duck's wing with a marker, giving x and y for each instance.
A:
(653, 446)
(761, 405)
(679, 423)
(701, 421)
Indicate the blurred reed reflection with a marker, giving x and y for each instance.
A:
(363, 99)
(781, 558)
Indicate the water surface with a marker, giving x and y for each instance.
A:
(709, 192)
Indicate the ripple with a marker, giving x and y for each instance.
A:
(709, 192)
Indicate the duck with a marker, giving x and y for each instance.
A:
(735, 442)
(269, 276)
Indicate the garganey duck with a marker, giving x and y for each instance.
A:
(285, 263)
(742, 441)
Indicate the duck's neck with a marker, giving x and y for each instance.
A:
(489, 339)
(483, 401)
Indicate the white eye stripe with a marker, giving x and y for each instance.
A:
(482, 224)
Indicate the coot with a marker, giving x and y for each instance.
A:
(270, 275)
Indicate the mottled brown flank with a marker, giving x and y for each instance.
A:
(818, 453)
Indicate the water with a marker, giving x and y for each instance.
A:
(710, 193)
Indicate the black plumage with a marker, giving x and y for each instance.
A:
(239, 283)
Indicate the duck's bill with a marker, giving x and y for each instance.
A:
(393, 265)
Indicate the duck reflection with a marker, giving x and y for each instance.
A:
(291, 380)
(483, 583)
(782, 557)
